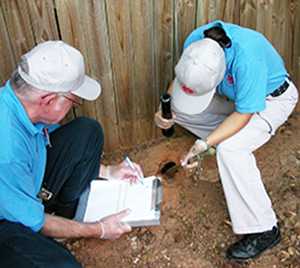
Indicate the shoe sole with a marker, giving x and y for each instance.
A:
(240, 260)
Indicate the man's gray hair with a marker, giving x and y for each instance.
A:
(20, 86)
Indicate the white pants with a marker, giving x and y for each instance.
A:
(248, 203)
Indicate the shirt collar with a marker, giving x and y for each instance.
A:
(17, 107)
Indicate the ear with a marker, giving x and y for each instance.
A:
(47, 99)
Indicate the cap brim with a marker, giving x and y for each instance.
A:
(89, 90)
(189, 104)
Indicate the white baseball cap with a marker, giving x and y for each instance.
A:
(55, 66)
(200, 69)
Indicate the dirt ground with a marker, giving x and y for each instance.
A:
(195, 228)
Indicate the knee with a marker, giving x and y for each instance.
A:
(224, 148)
(91, 131)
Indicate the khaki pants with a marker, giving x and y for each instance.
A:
(248, 203)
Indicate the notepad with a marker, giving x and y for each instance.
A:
(106, 197)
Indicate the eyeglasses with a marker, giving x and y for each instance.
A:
(76, 102)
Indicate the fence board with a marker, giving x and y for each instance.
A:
(206, 11)
(264, 18)
(248, 13)
(120, 37)
(185, 21)
(295, 8)
(19, 28)
(143, 70)
(43, 20)
(228, 10)
(280, 34)
(7, 61)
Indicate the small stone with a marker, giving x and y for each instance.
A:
(291, 251)
(222, 245)
(297, 228)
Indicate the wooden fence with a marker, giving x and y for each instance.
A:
(131, 46)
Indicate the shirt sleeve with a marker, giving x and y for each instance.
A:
(251, 86)
(18, 200)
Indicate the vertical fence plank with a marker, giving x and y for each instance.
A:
(99, 55)
(185, 22)
(281, 33)
(206, 11)
(119, 26)
(264, 18)
(143, 68)
(7, 61)
(228, 10)
(43, 20)
(248, 13)
(16, 16)
(295, 9)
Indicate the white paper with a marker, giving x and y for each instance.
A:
(109, 197)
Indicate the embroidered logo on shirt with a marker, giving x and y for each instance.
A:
(230, 79)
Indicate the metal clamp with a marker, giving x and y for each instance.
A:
(44, 194)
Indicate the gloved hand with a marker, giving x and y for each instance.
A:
(112, 227)
(121, 172)
(162, 122)
(200, 146)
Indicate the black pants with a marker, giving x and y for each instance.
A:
(72, 162)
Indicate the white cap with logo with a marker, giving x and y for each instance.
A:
(55, 66)
(200, 69)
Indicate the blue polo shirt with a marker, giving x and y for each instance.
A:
(254, 69)
(22, 163)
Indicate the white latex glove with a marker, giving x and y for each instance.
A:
(200, 146)
(121, 172)
(112, 227)
(162, 122)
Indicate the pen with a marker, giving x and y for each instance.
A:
(130, 164)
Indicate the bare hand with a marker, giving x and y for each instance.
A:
(112, 227)
(123, 172)
(162, 122)
(199, 147)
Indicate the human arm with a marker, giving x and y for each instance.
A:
(231, 125)
(109, 227)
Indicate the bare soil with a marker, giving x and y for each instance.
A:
(195, 227)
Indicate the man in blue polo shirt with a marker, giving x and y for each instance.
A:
(45, 168)
(233, 91)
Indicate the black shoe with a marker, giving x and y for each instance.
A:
(252, 245)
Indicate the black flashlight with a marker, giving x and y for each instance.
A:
(166, 112)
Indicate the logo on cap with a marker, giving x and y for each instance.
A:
(188, 90)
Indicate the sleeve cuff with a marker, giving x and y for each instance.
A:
(39, 226)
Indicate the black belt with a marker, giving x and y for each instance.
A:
(281, 89)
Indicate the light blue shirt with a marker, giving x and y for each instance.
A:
(22, 163)
(254, 69)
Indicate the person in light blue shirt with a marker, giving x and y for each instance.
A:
(44, 168)
(232, 91)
